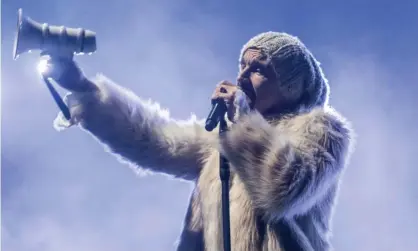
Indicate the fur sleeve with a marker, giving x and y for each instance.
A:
(286, 174)
(138, 131)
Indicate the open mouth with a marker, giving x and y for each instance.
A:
(248, 89)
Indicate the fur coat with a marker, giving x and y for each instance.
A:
(284, 174)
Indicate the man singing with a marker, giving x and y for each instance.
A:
(287, 148)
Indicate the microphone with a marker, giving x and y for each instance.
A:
(216, 113)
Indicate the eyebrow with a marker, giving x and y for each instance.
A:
(250, 61)
(261, 57)
(254, 62)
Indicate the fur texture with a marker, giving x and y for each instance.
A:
(285, 171)
(284, 174)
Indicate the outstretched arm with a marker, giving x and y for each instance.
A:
(286, 174)
(138, 131)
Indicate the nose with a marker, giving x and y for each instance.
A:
(244, 74)
(243, 79)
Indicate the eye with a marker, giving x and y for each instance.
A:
(259, 70)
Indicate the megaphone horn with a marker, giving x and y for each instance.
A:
(53, 40)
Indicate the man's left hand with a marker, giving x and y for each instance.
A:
(235, 99)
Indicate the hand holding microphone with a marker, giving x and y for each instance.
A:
(225, 99)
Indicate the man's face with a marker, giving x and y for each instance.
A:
(258, 79)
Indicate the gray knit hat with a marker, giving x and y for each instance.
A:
(299, 74)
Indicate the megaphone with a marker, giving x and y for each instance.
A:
(51, 40)
(54, 41)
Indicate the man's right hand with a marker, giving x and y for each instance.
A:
(67, 74)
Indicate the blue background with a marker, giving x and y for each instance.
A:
(61, 191)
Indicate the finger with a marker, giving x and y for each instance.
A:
(50, 70)
(225, 88)
(223, 96)
(65, 73)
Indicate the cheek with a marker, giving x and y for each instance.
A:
(267, 94)
(263, 87)
(258, 83)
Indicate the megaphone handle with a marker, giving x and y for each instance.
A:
(57, 98)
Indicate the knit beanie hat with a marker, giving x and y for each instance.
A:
(299, 75)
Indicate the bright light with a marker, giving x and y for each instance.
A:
(42, 66)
